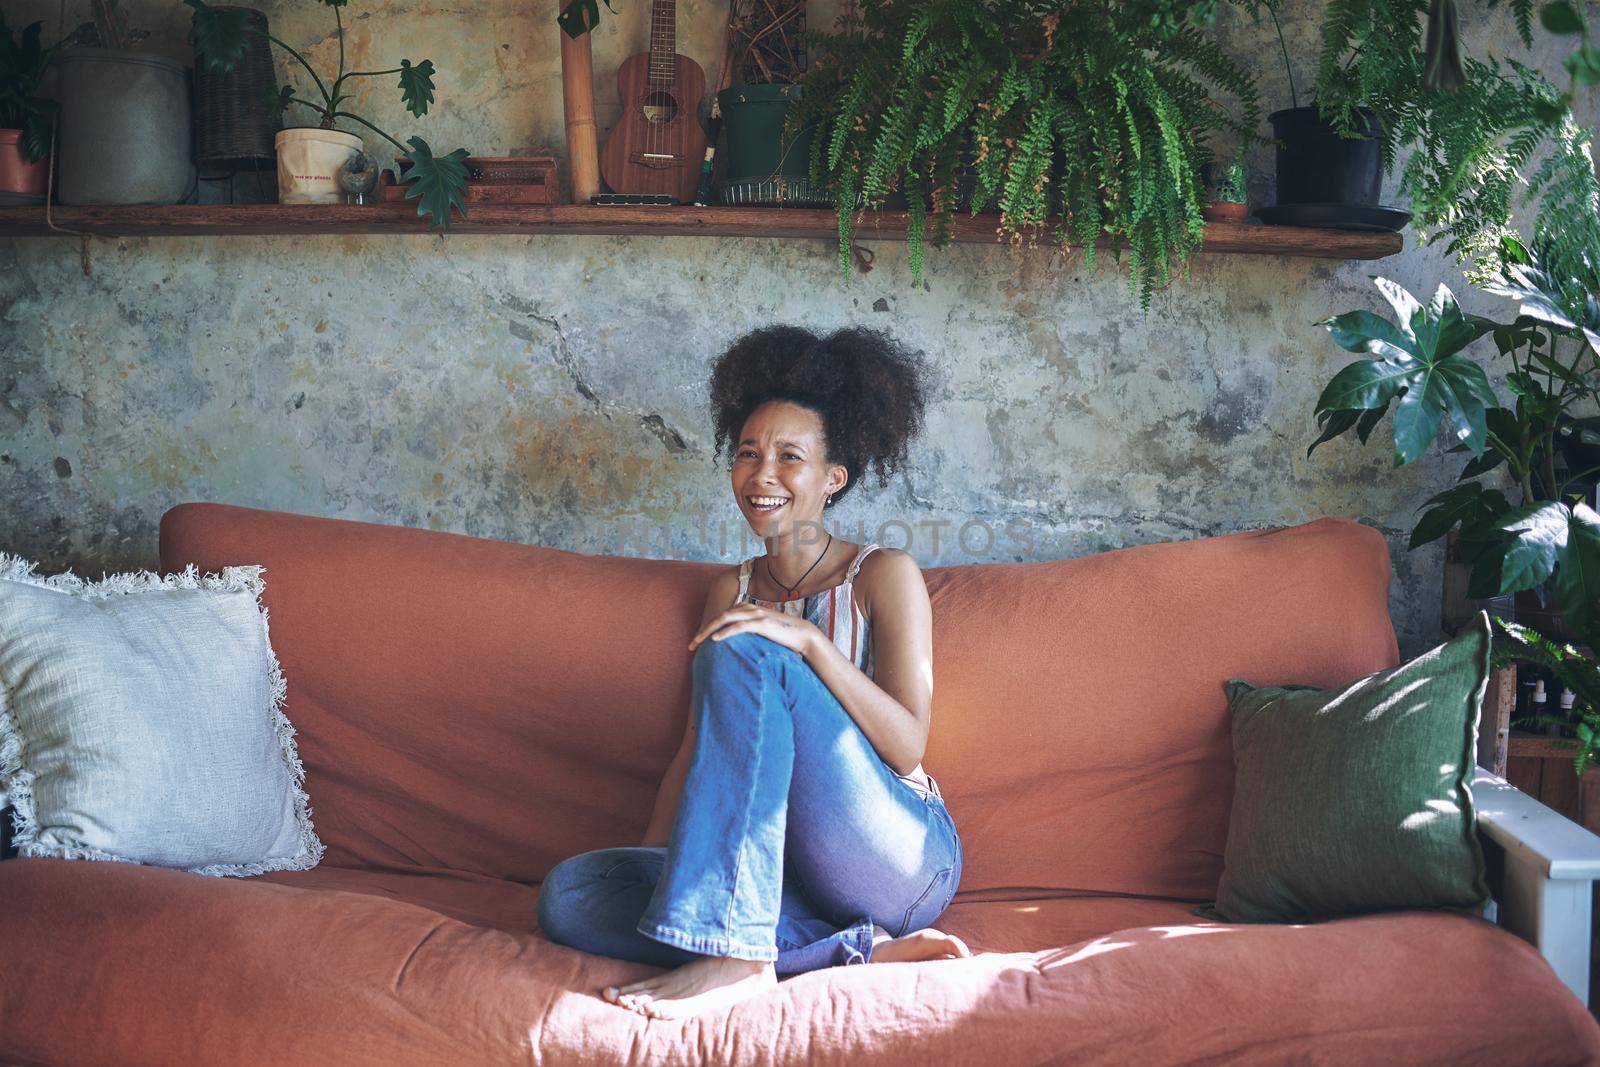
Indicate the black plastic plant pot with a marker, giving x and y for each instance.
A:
(1317, 166)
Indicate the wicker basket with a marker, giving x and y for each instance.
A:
(233, 129)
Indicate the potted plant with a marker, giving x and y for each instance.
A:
(1549, 542)
(310, 157)
(125, 118)
(25, 120)
(766, 163)
(1093, 114)
(1329, 163)
(1226, 186)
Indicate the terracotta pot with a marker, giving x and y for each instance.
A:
(307, 160)
(1223, 211)
(24, 182)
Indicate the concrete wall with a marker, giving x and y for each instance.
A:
(551, 390)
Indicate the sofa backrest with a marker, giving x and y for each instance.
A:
(490, 707)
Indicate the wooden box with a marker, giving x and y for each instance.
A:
(494, 180)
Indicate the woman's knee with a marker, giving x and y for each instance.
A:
(563, 892)
(745, 645)
(741, 651)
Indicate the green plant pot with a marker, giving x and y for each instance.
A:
(753, 116)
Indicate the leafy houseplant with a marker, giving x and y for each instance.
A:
(764, 166)
(1096, 111)
(123, 135)
(1226, 188)
(1474, 127)
(22, 66)
(1326, 175)
(438, 183)
(1550, 541)
(1577, 673)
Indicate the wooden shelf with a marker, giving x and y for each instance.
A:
(1541, 746)
(261, 219)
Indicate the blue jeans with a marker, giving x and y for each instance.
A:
(792, 837)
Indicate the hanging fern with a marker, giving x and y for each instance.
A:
(1470, 147)
(1091, 118)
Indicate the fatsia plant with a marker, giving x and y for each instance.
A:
(1550, 540)
(437, 183)
(22, 67)
(1094, 114)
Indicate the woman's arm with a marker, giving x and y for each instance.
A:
(893, 707)
(718, 598)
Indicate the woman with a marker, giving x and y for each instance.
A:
(795, 828)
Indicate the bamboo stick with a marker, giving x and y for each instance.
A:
(577, 99)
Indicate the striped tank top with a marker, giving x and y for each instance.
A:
(835, 612)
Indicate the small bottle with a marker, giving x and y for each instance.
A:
(1525, 684)
(1538, 702)
(1568, 698)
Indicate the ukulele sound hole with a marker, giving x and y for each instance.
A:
(660, 107)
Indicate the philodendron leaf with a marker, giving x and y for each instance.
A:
(276, 98)
(416, 86)
(217, 36)
(581, 16)
(437, 183)
(1541, 531)
(1578, 577)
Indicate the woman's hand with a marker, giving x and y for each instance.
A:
(790, 631)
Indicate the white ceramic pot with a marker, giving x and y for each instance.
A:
(307, 160)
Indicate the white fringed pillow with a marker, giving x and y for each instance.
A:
(141, 720)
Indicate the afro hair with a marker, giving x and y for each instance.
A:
(867, 389)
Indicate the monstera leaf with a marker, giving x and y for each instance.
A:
(416, 86)
(217, 35)
(1417, 368)
(438, 183)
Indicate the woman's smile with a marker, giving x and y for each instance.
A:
(766, 504)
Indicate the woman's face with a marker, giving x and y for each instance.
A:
(780, 457)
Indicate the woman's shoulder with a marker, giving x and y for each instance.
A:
(724, 587)
(888, 560)
(887, 575)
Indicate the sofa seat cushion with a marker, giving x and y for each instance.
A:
(354, 967)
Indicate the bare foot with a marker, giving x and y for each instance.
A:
(707, 984)
(929, 944)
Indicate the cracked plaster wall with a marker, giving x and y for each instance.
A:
(551, 390)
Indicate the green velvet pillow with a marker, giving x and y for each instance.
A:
(1358, 799)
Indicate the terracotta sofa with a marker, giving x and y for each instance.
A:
(470, 712)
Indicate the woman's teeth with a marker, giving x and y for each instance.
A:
(767, 503)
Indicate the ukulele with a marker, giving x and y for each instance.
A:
(658, 145)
